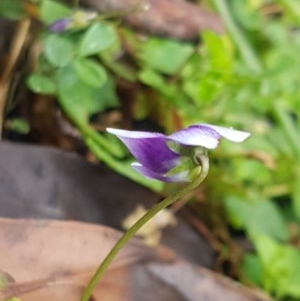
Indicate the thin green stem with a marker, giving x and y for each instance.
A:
(87, 131)
(288, 126)
(245, 48)
(204, 162)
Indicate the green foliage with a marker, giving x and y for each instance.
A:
(12, 9)
(251, 215)
(247, 78)
(280, 267)
(96, 39)
(89, 72)
(18, 125)
(165, 56)
(58, 50)
(41, 84)
(50, 11)
(71, 69)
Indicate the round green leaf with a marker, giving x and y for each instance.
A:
(58, 50)
(251, 215)
(41, 84)
(90, 72)
(78, 99)
(97, 38)
(166, 56)
(51, 11)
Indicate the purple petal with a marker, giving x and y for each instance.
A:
(60, 25)
(181, 177)
(197, 135)
(206, 135)
(149, 149)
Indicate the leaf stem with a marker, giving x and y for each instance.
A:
(17, 45)
(203, 160)
(284, 119)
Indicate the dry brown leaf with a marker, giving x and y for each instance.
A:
(178, 19)
(42, 254)
(202, 284)
(53, 260)
(47, 183)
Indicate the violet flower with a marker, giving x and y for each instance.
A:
(60, 25)
(78, 20)
(173, 158)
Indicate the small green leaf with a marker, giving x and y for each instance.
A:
(152, 78)
(73, 94)
(80, 100)
(41, 84)
(220, 51)
(58, 50)
(51, 11)
(166, 56)
(97, 38)
(107, 96)
(157, 81)
(18, 125)
(252, 269)
(12, 9)
(281, 265)
(90, 72)
(256, 217)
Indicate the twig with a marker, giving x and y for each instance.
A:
(14, 53)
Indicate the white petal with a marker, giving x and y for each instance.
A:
(230, 133)
(133, 134)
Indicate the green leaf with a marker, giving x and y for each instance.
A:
(152, 78)
(73, 94)
(107, 96)
(90, 72)
(58, 50)
(166, 56)
(80, 100)
(157, 81)
(220, 51)
(41, 84)
(281, 266)
(18, 125)
(252, 269)
(256, 217)
(51, 11)
(97, 38)
(245, 169)
(249, 17)
(12, 9)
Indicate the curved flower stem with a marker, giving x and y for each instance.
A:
(204, 162)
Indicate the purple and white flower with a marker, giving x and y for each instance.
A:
(158, 154)
(78, 20)
(60, 25)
